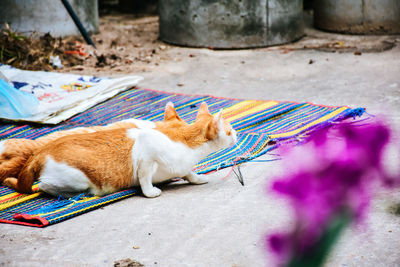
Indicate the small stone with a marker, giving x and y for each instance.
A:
(127, 263)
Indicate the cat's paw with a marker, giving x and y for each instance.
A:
(197, 179)
(152, 192)
(10, 182)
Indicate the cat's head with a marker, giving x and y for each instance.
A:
(217, 129)
(206, 128)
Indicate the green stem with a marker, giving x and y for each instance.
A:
(317, 255)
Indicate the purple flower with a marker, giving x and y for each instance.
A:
(331, 176)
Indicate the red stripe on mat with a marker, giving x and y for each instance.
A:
(28, 220)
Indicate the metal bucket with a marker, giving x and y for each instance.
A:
(48, 16)
(230, 24)
(358, 16)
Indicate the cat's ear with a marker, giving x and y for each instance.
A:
(218, 117)
(215, 125)
(203, 109)
(170, 112)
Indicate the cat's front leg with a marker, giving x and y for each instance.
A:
(150, 191)
(146, 172)
(194, 178)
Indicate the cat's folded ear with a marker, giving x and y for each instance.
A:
(170, 112)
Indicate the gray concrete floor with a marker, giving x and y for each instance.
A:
(223, 223)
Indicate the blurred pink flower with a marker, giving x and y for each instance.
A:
(329, 177)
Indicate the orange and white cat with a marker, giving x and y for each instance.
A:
(16, 151)
(107, 161)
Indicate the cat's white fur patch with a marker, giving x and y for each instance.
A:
(141, 124)
(2, 147)
(61, 179)
(174, 159)
(156, 158)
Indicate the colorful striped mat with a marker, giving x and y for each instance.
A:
(261, 127)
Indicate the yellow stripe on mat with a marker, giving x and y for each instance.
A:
(322, 119)
(252, 106)
(20, 200)
(87, 208)
(17, 200)
(86, 199)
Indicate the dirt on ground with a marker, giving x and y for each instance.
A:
(128, 43)
(125, 43)
(36, 52)
(127, 263)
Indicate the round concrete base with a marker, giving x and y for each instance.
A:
(230, 24)
(45, 16)
(358, 16)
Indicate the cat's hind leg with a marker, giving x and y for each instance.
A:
(194, 178)
(10, 162)
(24, 182)
(58, 178)
(10, 167)
(11, 182)
(145, 173)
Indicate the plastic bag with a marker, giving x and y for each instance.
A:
(15, 104)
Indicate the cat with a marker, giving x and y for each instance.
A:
(15, 152)
(104, 162)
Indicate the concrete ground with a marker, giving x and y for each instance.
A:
(223, 223)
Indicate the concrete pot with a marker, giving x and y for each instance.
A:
(358, 16)
(48, 16)
(230, 24)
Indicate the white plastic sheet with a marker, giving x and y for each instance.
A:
(61, 95)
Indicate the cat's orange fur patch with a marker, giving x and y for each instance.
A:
(15, 154)
(192, 135)
(105, 156)
(18, 150)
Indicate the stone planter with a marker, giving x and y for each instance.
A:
(230, 24)
(48, 16)
(358, 16)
